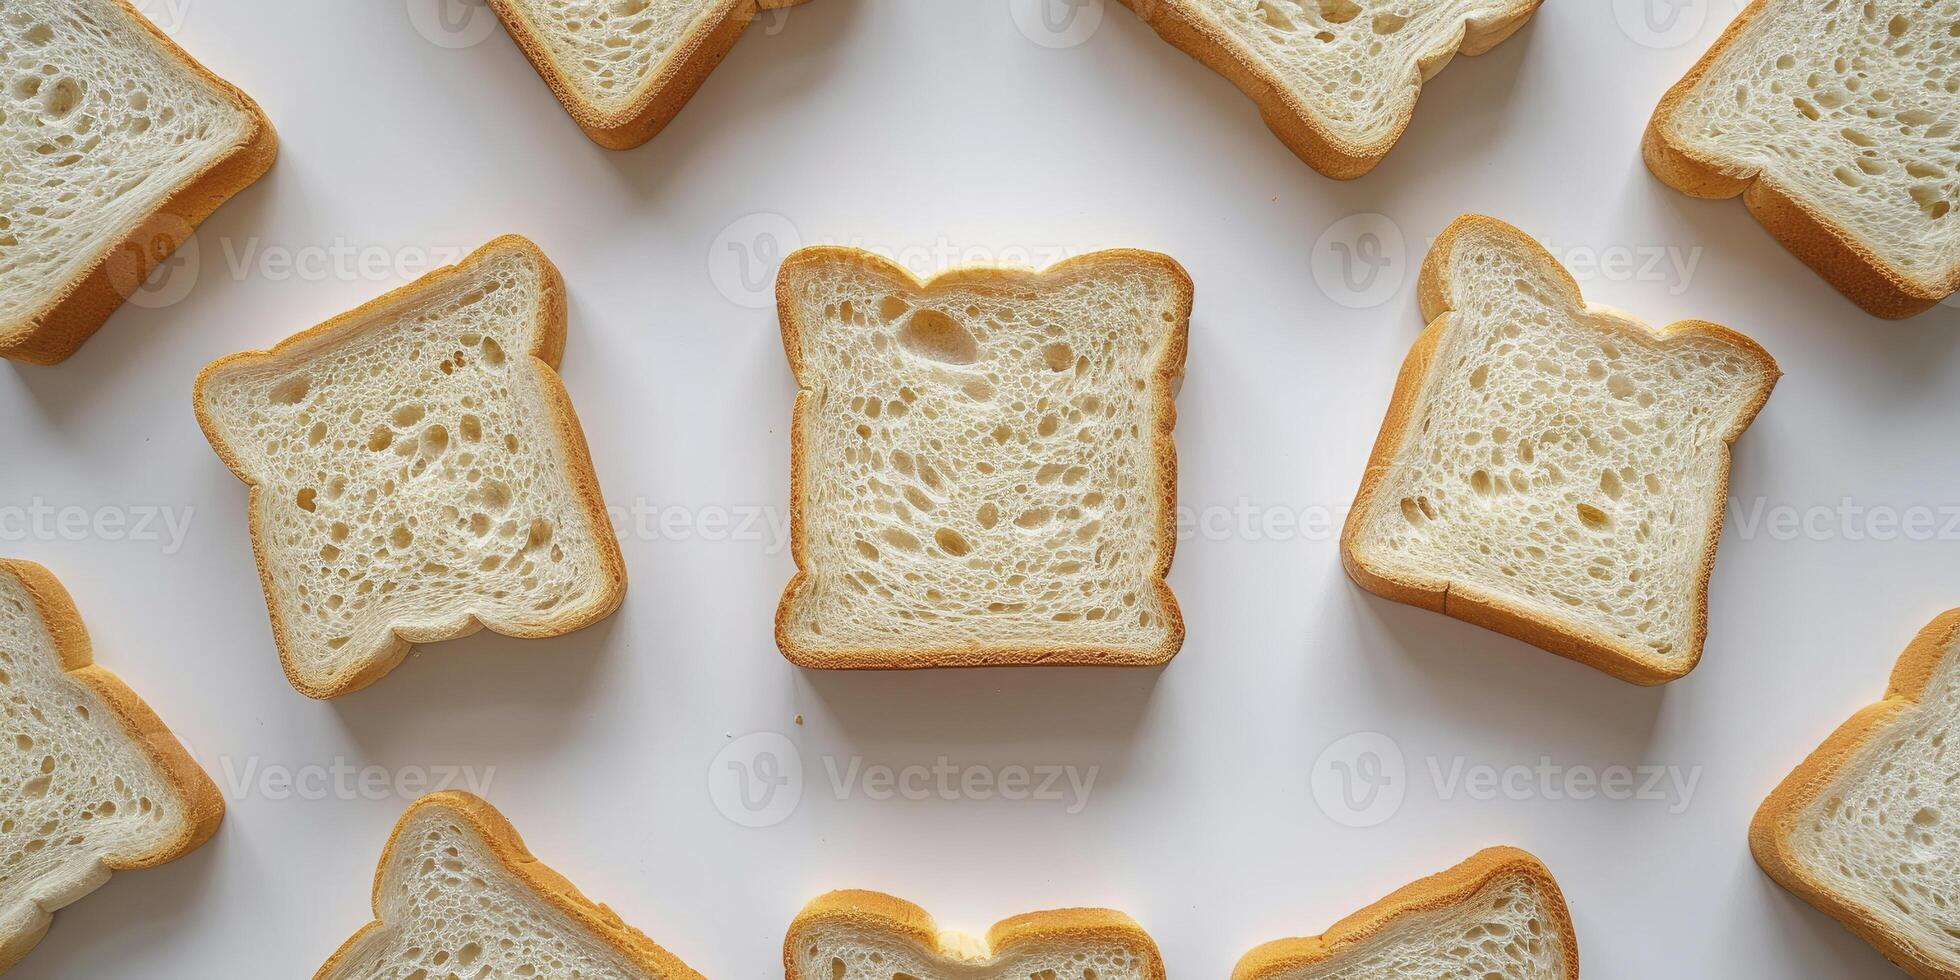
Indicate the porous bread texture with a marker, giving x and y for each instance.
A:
(417, 472)
(1498, 916)
(1553, 470)
(862, 935)
(1839, 123)
(624, 68)
(114, 144)
(1336, 80)
(90, 780)
(982, 470)
(1868, 827)
(457, 895)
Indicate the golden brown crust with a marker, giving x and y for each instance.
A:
(1187, 27)
(660, 98)
(869, 911)
(1447, 888)
(1466, 601)
(202, 804)
(548, 348)
(1813, 236)
(75, 313)
(1777, 819)
(1164, 379)
(509, 850)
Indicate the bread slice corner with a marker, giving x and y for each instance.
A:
(1863, 828)
(1499, 915)
(867, 935)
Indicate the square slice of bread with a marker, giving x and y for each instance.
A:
(1839, 124)
(1868, 827)
(1498, 916)
(624, 68)
(114, 145)
(417, 472)
(1336, 80)
(1553, 470)
(90, 779)
(457, 895)
(981, 467)
(861, 935)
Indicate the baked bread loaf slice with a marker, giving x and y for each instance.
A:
(1553, 470)
(624, 68)
(861, 935)
(457, 895)
(1336, 80)
(114, 146)
(981, 467)
(1837, 124)
(417, 472)
(90, 779)
(1498, 916)
(1865, 829)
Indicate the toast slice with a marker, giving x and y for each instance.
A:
(1336, 80)
(1836, 123)
(90, 779)
(417, 472)
(114, 146)
(1865, 828)
(624, 68)
(861, 935)
(1552, 470)
(1498, 916)
(458, 895)
(981, 467)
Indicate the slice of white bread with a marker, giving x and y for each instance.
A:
(1838, 121)
(1336, 80)
(981, 470)
(417, 472)
(1498, 916)
(1553, 470)
(1868, 827)
(624, 68)
(862, 935)
(114, 145)
(90, 779)
(457, 895)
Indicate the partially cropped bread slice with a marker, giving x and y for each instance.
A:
(457, 895)
(90, 779)
(862, 935)
(1553, 470)
(417, 472)
(1498, 916)
(1336, 80)
(624, 68)
(114, 145)
(981, 469)
(1868, 827)
(1839, 124)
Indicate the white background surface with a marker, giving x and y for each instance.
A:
(912, 125)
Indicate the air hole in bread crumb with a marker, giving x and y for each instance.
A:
(937, 336)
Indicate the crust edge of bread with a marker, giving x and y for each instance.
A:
(1776, 818)
(1294, 119)
(579, 472)
(661, 97)
(83, 305)
(1164, 377)
(1441, 890)
(877, 911)
(204, 805)
(508, 848)
(1817, 240)
(1481, 608)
